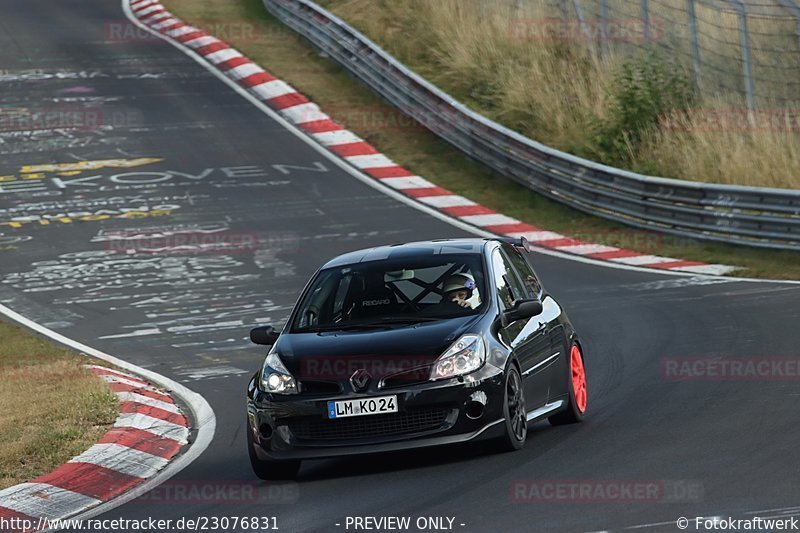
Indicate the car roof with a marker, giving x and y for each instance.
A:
(410, 249)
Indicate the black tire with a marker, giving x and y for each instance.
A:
(572, 413)
(516, 417)
(270, 470)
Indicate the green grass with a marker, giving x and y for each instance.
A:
(51, 407)
(284, 54)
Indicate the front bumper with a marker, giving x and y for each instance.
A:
(280, 424)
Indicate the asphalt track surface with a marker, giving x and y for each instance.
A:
(226, 166)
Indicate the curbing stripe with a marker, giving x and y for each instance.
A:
(122, 387)
(141, 440)
(223, 55)
(101, 372)
(155, 412)
(303, 113)
(272, 89)
(244, 71)
(447, 200)
(585, 249)
(488, 220)
(135, 397)
(353, 149)
(643, 260)
(160, 428)
(127, 381)
(408, 182)
(89, 479)
(122, 459)
(40, 500)
(332, 138)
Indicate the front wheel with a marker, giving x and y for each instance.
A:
(270, 470)
(516, 418)
(578, 397)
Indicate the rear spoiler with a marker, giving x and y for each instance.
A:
(518, 242)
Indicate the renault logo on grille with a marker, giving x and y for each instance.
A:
(360, 380)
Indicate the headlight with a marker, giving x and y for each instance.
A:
(276, 378)
(466, 355)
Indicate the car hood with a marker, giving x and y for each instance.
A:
(334, 355)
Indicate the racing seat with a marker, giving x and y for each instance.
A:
(376, 300)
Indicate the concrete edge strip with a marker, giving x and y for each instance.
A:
(137, 454)
(309, 118)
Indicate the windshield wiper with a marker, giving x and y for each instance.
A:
(346, 327)
(405, 319)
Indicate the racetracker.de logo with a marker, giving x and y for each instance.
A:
(221, 492)
(68, 118)
(233, 31)
(604, 491)
(730, 368)
(405, 367)
(573, 30)
(189, 242)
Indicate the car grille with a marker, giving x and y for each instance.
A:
(362, 427)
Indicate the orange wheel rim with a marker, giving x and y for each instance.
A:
(578, 378)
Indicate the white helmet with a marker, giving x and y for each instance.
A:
(459, 282)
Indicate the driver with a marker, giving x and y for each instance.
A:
(458, 289)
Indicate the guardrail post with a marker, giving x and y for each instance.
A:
(692, 20)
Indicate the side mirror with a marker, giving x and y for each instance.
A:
(522, 309)
(265, 335)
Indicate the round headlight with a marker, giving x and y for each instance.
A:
(274, 381)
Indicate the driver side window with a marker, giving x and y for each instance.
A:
(509, 289)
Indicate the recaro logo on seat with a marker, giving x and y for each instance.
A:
(370, 303)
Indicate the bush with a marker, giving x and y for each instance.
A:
(644, 90)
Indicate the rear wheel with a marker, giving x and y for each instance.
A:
(516, 418)
(270, 470)
(578, 397)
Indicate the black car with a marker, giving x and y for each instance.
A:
(413, 345)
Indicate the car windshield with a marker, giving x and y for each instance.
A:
(392, 292)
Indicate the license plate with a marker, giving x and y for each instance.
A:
(361, 407)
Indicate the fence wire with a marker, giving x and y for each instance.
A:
(745, 49)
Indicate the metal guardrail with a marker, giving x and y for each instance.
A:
(753, 216)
